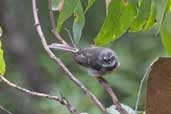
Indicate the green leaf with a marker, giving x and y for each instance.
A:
(55, 5)
(90, 3)
(142, 16)
(168, 6)
(166, 35)
(120, 15)
(2, 62)
(152, 18)
(79, 21)
(169, 22)
(72, 7)
(67, 11)
(161, 7)
(167, 12)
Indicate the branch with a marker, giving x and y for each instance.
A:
(109, 90)
(141, 86)
(53, 24)
(5, 110)
(60, 63)
(61, 99)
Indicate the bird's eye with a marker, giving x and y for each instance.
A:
(106, 59)
(112, 58)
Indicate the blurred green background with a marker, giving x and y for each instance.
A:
(28, 64)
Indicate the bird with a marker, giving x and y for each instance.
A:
(97, 60)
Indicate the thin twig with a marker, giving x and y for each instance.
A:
(109, 90)
(53, 24)
(71, 38)
(5, 110)
(141, 86)
(61, 100)
(60, 63)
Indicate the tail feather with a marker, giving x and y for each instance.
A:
(63, 48)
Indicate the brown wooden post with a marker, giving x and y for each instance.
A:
(159, 87)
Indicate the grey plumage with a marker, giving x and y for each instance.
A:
(98, 60)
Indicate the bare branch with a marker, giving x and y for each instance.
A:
(61, 100)
(109, 90)
(60, 63)
(5, 110)
(53, 24)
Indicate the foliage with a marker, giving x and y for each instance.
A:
(166, 35)
(151, 21)
(2, 62)
(164, 24)
(122, 16)
(79, 21)
(72, 7)
(142, 16)
(90, 3)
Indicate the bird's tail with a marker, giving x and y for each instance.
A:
(63, 47)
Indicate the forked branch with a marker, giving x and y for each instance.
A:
(53, 24)
(62, 100)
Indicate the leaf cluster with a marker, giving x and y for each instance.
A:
(122, 16)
